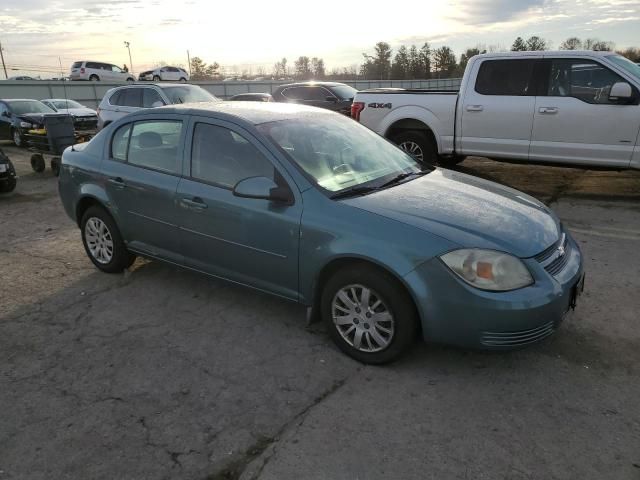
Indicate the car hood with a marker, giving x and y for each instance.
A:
(78, 112)
(37, 118)
(469, 211)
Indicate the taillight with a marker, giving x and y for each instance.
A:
(356, 108)
(82, 70)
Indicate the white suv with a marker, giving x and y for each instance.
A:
(99, 71)
(121, 101)
(171, 74)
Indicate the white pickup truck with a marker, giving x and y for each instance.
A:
(567, 107)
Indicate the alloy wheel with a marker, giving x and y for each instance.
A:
(17, 139)
(99, 240)
(362, 318)
(413, 149)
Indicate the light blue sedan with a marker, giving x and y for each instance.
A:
(313, 207)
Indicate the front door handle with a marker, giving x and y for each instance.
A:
(474, 108)
(548, 110)
(117, 183)
(195, 202)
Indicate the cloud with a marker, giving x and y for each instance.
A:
(480, 12)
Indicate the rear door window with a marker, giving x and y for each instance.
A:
(131, 97)
(151, 97)
(116, 98)
(150, 144)
(93, 65)
(294, 93)
(513, 77)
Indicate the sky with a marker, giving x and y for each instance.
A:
(41, 34)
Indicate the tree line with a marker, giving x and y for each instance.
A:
(408, 62)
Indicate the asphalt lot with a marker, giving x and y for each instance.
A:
(165, 374)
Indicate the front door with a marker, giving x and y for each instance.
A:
(249, 241)
(142, 175)
(497, 112)
(575, 121)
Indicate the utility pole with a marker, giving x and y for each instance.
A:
(3, 65)
(126, 44)
(189, 62)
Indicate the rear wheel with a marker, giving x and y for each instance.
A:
(94, 78)
(37, 163)
(419, 145)
(369, 314)
(102, 241)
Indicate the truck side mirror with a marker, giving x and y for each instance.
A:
(620, 91)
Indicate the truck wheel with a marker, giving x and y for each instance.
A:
(37, 163)
(419, 145)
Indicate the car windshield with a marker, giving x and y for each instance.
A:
(345, 92)
(22, 107)
(339, 153)
(66, 104)
(188, 94)
(628, 65)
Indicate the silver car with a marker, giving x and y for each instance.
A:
(121, 101)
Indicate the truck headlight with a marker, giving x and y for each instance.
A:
(488, 269)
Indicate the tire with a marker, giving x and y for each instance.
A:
(37, 163)
(16, 136)
(156, 78)
(100, 233)
(419, 145)
(183, 80)
(55, 166)
(9, 185)
(394, 336)
(94, 78)
(131, 80)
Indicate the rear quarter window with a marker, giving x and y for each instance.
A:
(513, 77)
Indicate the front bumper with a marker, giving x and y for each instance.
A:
(146, 77)
(455, 313)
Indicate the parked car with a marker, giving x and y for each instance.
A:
(330, 95)
(252, 97)
(99, 71)
(121, 101)
(7, 174)
(163, 74)
(18, 116)
(84, 118)
(22, 77)
(384, 247)
(567, 107)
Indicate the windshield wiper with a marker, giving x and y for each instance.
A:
(353, 191)
(402, 176)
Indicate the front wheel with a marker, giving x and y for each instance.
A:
(369, 314)
(183, 80)
(156, 78)
(102, 241)
(131, 80)
(17, 138)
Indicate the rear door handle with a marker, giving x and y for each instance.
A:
(548, 110)
(117, 182)
(195, 202)
(474, 108)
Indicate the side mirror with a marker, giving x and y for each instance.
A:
(6, 113)
(157, 104)
(620, 91)
(331, 99)
(262, 188)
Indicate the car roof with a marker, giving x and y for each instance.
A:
(8, 100)
(310, 84)
(59, 100)
(548, 53)
(251, 112)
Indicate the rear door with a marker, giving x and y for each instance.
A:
(575, 121)
(142, 174)
(497, 112)
(249, 241)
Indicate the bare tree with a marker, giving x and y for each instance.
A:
(572, 43)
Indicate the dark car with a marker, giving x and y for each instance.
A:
(330, 95)
(252, 97)
(7, 174)
(18, 116)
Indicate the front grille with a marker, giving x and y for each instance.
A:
(516, 339)
(555, 258)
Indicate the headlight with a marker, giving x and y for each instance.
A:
(3, 167)
(25, 125)
(488, 269)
